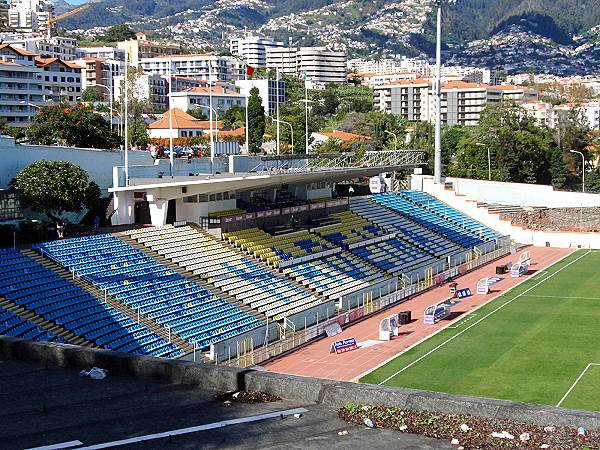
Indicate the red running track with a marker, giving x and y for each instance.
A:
(315, 360)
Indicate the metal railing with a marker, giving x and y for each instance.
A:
(369, 306)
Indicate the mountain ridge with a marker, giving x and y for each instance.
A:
(360, 27)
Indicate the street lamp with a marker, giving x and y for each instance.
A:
(582, 169)
(489, 159)
(212, 147)
(291, 131)
(395, 138)
(110, 101)
(437, 91)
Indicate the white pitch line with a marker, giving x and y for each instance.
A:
(208, 426)
(480, 320)
(575, 384)
(58, 446)
(564, 296)
(463, 321)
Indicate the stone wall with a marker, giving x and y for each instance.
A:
(292, 388)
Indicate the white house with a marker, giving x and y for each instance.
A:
(177, 123)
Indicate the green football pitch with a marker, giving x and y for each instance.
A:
(538, 343)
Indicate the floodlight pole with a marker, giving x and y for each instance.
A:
(437, 96)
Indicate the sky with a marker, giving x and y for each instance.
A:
(76, 2)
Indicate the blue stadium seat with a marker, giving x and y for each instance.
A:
(38, 289)
(141, 282)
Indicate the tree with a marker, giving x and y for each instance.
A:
(519, 150)
(198, 114)
(56, 187)
(256, 121)
(77, 126)
(91, 94)
(138, 133)
(234, 118)
(118, 33)
(331, 145)
(330, 102)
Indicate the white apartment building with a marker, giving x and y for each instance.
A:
(267, 89)
(22, 90)
(283, 59)
(517, 93)
(253, 49)
(406, 98)
(545, 114)
(321, 66)
(100, 72)
(372, 79)
(140, 48)
(61, 78)
(201, 66)
(461, 102)
(54, 47)
(199, 99)
(147, 87)
(30, 16)
(102, 52)
(591, 112)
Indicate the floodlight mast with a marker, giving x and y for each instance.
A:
(438, 91)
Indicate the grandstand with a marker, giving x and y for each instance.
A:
(227, 270)
(450, 224)
(276, 249)
(169, 288)
(237, 258)
(142, 283)
(27, 284)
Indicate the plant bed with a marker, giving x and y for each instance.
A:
(247, 397)
(470, 432)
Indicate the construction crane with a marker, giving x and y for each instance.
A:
(53, 20)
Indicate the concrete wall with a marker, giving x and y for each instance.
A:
(98, 163)
(468, 205)
(329, 393)
(520, 194)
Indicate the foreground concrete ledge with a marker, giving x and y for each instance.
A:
(292, 388)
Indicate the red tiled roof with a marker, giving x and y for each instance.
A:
(215, 90)
(18, 50)
(41, 62)
(182, 120)
(344, 136)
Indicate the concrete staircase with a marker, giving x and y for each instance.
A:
(189, 275)
(111, 301)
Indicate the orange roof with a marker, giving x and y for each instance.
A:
(42, 62)
(419, 81)
(90, 58)
(20, 51)
(344, 136)
(241, 131)
(395, 73)
(361, 74)
(509, 87)
(464, 85)
(186, 55)
(215, 90)
(181, 120)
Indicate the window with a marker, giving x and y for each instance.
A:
(190, 199)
